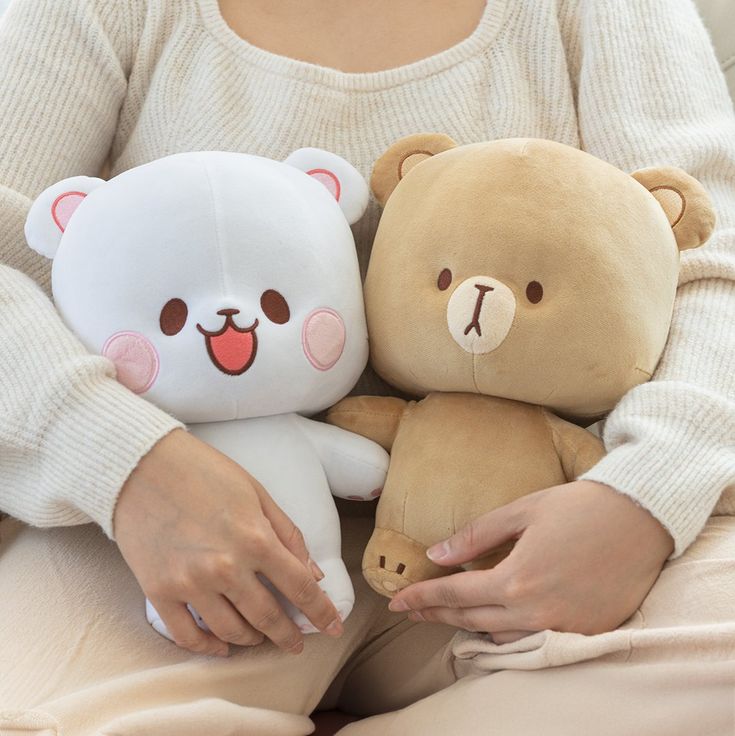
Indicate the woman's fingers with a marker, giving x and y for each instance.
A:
(462, 590)
(184, 630)
(479, 618)
(258, 605)
(225, 622)
(481, 535)
(507, 637)
(297, 584)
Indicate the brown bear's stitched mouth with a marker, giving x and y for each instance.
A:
(232, 349)
(475, 323)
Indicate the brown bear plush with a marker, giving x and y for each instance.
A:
(510, 283)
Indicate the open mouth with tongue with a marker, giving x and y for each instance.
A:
(232, 349)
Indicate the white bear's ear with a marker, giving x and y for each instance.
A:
(50, 213)
(343, 181)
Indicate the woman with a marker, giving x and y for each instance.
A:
(634, 82)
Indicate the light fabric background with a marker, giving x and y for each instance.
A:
(717, 14)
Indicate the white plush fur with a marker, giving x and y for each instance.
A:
(217, 230)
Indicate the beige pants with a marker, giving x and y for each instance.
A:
(77, 658)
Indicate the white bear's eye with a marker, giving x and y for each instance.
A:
(445, 279)
(534, 292)
(275, 307)
(173, 316)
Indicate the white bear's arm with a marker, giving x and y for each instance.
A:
(355, 466)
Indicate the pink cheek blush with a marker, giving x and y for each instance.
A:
(323, 337)
(135, 359)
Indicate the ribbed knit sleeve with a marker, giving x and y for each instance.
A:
(69, 433)
(649, 92)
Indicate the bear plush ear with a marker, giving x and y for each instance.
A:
(341, 179)
(50, 213)
(684, 201)
(401, 157)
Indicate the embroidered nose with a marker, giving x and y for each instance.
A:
(475, 324)
(228, 312)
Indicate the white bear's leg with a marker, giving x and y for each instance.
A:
(337, 585)
(155, 620)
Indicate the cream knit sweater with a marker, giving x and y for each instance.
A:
(632, 81)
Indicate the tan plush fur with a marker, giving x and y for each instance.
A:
(509, 282)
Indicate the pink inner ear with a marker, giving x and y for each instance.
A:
(323, 338)
(64, 206)
(135, 359)
(329, 180)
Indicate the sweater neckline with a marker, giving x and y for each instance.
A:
(285, 66)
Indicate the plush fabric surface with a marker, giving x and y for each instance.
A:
(225, 289)
(508, 280)
(223, 285)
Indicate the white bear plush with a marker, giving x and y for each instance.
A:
(225, 288)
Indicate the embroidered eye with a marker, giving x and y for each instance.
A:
(173, 316)
(275, 307)
(444, 280)
(534, 292)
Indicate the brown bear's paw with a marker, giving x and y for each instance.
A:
(393, 561)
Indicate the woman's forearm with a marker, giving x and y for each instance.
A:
(69, 434)
(671, 442)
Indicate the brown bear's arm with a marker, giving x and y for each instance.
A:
(374, 417)
(577, 448)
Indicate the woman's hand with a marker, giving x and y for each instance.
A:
(194, 527)
(585, 559)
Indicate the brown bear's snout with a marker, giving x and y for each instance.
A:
(480, 313)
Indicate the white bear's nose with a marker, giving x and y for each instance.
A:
(480, 313)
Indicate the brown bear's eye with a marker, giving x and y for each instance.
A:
(534, 292)
(275, 307)
(173, 316)
(444, 280)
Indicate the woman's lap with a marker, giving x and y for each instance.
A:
(669, 670)
(75, 647)
(601, 698)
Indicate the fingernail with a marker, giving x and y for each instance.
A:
(335, 628)
(438, 551)
(316, 571)
(416, 616)
(297, 648)
(398, 606)
(224, 652)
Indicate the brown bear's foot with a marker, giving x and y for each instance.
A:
(392, 561)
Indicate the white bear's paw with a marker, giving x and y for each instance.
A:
(306, 627)
(155, 620)
(337, 585)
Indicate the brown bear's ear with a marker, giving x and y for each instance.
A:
(401, 157)
(685, 202)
